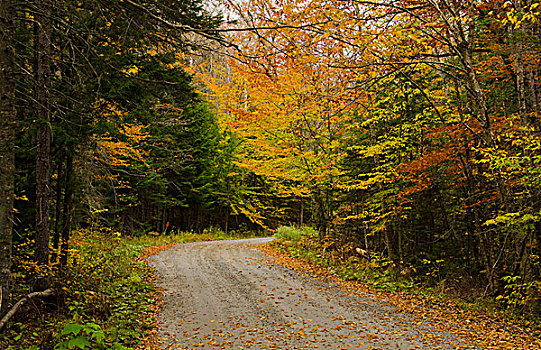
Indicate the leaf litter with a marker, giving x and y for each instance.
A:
(236, 295)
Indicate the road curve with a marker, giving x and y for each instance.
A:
(228, 295)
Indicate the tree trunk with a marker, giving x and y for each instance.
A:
(301, 215)
(7, 159)
(388, 233)
(67, 211)
(42, 77)
(519, 70)
(534, 97)
(58, 212)
(319, 214)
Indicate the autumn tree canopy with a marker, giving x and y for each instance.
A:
(409, 128)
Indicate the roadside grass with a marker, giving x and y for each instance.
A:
(105, 295)
(377, 273)
(294, 234)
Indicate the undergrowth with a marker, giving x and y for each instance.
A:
(377, 272)
(104, 295)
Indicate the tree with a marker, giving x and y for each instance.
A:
(74, 61)
(42, 111)
(102, 54)
(433, 108)
(7, 128)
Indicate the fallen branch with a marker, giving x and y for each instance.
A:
(46, 293)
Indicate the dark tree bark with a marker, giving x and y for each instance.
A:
(7, 160)
(42, 77)
(58, 212)
(67, 210)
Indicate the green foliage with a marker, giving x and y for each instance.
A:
(520, 295)
(94, 293)
(105, 297)
(87, 336)
(117, 66)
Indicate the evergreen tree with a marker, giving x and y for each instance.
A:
(7, 126)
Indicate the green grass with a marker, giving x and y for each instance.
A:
(294, 234)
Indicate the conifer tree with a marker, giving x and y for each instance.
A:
(7, 126)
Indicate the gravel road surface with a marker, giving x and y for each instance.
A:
(228, 295)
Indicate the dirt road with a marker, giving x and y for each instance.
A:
(228, 295)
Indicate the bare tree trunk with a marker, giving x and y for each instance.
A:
(534, 98)
(7, 159)
(388, 233)
(519, 70)
(67, 210)
(42, 76)
(320, 216)
(58, 212)
(228, 205)
(301, 217)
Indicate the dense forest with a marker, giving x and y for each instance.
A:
(101, 125)
(408, 130)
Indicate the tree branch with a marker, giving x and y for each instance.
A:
(46, 293)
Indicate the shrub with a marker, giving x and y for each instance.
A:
(295, 234)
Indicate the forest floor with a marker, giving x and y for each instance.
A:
(244, 295)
